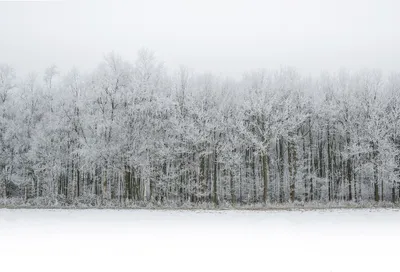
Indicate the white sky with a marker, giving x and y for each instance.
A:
(224, 37)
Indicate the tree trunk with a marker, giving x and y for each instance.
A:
(292, 169)
(232, 187)
(265, 176)
(329, 168)
(375, 162)
(311, 163)
(215, 176)
(305, 171)
(281, 163)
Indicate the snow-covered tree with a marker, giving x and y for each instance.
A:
(133, 134)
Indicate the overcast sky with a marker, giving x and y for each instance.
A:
(224, 37)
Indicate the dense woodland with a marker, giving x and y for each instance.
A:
(135, 134)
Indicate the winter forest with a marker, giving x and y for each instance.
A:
(134, 134)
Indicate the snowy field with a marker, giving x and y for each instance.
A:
(139, 240)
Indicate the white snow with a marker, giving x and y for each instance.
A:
(142, 240)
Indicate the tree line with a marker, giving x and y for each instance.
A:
(133, 133)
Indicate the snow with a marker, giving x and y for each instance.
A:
(147, 240)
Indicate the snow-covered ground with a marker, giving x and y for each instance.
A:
(140, 240)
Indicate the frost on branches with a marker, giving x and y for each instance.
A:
(133, 134)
